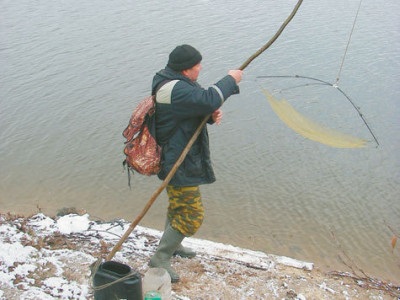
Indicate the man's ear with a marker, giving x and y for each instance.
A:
(184, 73)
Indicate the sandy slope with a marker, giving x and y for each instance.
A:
(45, 258)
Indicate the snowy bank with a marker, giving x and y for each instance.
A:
(46, 258)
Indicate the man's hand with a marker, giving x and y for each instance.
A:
(217, 116)
(236, 74)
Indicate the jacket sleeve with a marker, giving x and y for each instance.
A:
(193, 101)
(228, 86)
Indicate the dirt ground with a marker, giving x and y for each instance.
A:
(218, 271)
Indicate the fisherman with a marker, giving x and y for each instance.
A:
(181, 105)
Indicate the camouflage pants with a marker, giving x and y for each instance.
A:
(185, 210)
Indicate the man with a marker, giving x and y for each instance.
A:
(181, 105)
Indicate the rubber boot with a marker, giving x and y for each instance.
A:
(185, 252)
(181, 250)
(169, 242)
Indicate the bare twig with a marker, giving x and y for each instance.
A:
(350, 262)
(370, 283)
(363, 280)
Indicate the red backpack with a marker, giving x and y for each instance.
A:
(142, 152)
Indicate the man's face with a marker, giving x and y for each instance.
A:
(193, 72)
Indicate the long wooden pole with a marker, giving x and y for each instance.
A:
(191, 142)
(273, 39)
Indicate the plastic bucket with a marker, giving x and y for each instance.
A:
(108, 273)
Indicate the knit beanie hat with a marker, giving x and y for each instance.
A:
(183, 57)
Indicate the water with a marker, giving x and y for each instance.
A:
(71, 73)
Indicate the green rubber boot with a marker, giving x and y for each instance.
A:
(182, 251)
(185, 252)
(169, 242)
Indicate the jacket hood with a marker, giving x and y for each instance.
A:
(166, 74)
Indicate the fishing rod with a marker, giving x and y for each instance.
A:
(347, 46)
(193, 139)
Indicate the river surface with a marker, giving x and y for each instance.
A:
(72, 72)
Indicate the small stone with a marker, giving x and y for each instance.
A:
(301, 297)
(291, 295)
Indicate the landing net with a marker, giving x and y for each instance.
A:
(304, 125)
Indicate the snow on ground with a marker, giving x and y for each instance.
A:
(46, 258)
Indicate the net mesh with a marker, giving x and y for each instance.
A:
(310, 129)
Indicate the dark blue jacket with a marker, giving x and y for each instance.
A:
(181, 106)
